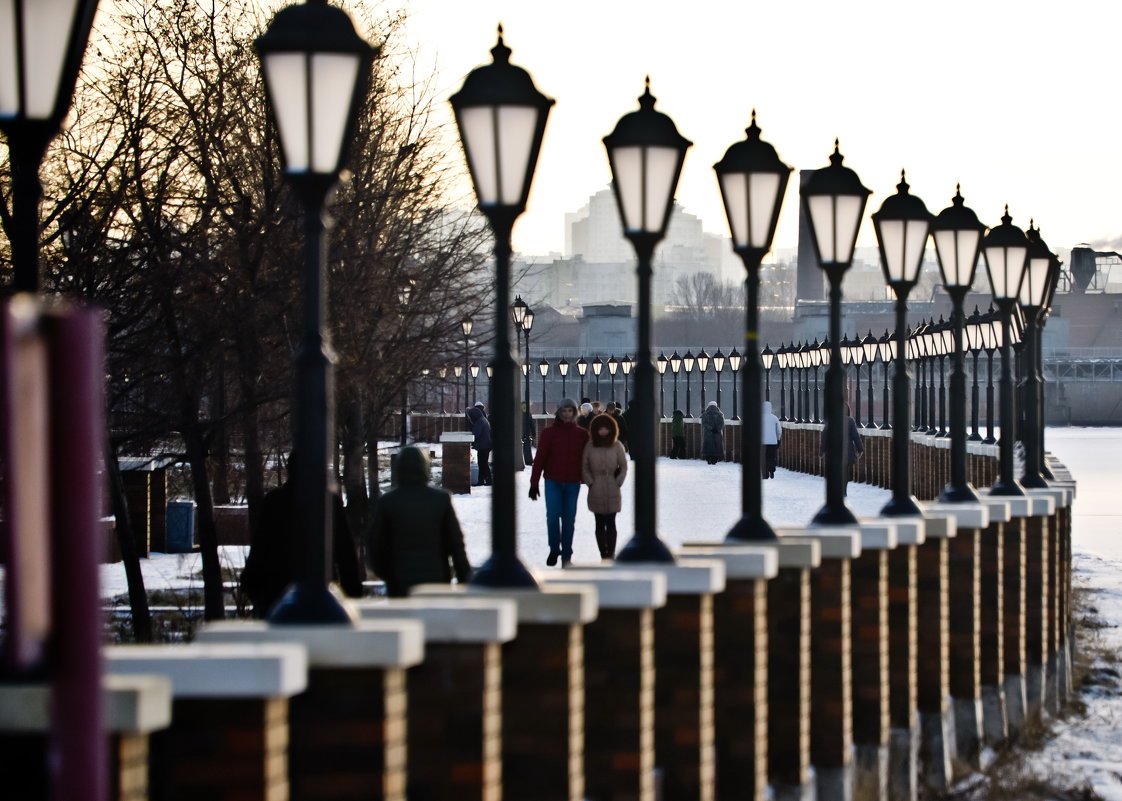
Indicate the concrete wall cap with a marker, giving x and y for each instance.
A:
(685, 577)
(835, 542)
(133, 705)
(375, 643)
(214, 670)
(910, 530)
(965, 515)
(617, 589)
(878, 535)
(1000, 508)
(550, 605)
(800, 554)
(457, 436)
(449, 620)
(939, 527)
(1058, 496)
(741, 561)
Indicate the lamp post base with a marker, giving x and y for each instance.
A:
(901, 507)
(645, 549)
(1005, 488)
(835, 516)
(751, 528)
(963, 494)
(503, 571)
(307, 603)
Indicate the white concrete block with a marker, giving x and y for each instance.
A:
(617, 589)
(213, 670)
(398, 643)
(449, 620)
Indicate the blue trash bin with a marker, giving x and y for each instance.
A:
(181, 526)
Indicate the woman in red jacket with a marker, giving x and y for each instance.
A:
(560, 450)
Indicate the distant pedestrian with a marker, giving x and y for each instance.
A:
(621, 423)
(559, 456)
(772, 432)
(713, 433)
(627, 425)
(584, 416)
(481, 429)
(604, 469)
(414, 535)
(269, 565)
(678, 435)
(853, 445)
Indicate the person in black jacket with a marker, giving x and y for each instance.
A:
(269, 566)
(481, 429)
(414, 532)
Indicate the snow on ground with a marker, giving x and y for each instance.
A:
(701, 502)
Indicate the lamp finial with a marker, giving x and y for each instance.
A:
(500, 52)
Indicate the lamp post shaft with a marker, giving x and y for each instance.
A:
(1034, 419)
(645, 546)
(26, 149)
(959, 489)
(467, 370)
(734, 381)
(885, 424)
(990, 438)
(836, 431)
(872, 420)
(857, 396)
(974, 435)
(943, 396)
(1006, 483)
(902, 503)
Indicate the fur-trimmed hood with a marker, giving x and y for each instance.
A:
(603, 421)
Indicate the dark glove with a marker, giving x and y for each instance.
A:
(534, 493)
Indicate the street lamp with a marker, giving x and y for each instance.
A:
(473, 368)
(850, 351)
(523, 318)
(645, 152)
(991, 340)
(1006, 251)
(734, 365)
(43, 48)
(543, 371)
(886, 348)
(1040, 275)
(660, 365)
(628, 364)
(613, 367)
(767, 359)
(718, 367)
(315, 69)
(783, 359)
(919, 355)
(702, 367)
(902, 225)
(944, 345)
(675, 366)
(501, 118)
(687, 365)
(753, 181)
(582, 369)
(563, 369)
(597, 368)
(870, 348)
(974, 341)
(466, 325)
(814, 358)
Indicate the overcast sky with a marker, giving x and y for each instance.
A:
(1017, 101)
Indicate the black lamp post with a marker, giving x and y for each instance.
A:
(991, 338)
(734, 365)
(869, 349)
(687, 364)
(702, 367)
(645, 152)
(801, 390)
(43, 49)
(501, 118)
(886, 348)
(902, 226)
(543, 371)
(767, 359)
(974, 342)
(597, 368)
(1040, 273)
(311, 55)
(675, 366)
(814, 357)
(782, 354)
(718, 368)
(582, 370)
(613, 368)
(1045, 313)
(627, 365)
(853, 354)
(466, 325)
(474, 370)
(753, 181)
(943, 345)
(660, 365)
(563, 369)
(523, 318)
(1006, 250)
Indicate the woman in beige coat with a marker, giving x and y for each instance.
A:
(604, 469)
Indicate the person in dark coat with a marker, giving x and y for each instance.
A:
(269, 565)
(481, 428)
(678, 435)
(854, 445)
(604, 469)
(627, 426)
(618, 415)
(414, 535)
(713, 433)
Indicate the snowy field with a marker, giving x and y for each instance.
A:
(701, 502)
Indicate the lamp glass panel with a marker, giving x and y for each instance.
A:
(835, 219)
(644, 180)
(47, 26)
(719, 363)
(734, 190)
(821, 210)
(506, 132)
(563, 367)
(958, 252)
(543, 368)
(688, 364)
(1004, 265)
(734, 362)
(1034, 285)
(998, 334)
(974, 335)
(702, 363)
(857, 354)
(750, 200)
(287, 81)
(333, 84)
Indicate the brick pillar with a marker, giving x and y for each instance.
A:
(619, 678)
(1053, 693)
(936, 716)
(991, 653)
(788, 675)
(964, 590)
(870, 666)
(347, 734)
(903, 680)
(741, 651)
(1013, 623)
(456, 461)
(230, 724)
(454, 723)
(135, 708)
(1037, 569)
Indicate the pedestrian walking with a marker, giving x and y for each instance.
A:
(559, 456)
(627, 426)
(604, 469)
(772, 432)
(713, 433)
(584, 416)
(621, 422)
(678, 435)
(269, 565)
(853, 443)
(481, 430)
(414, 535)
